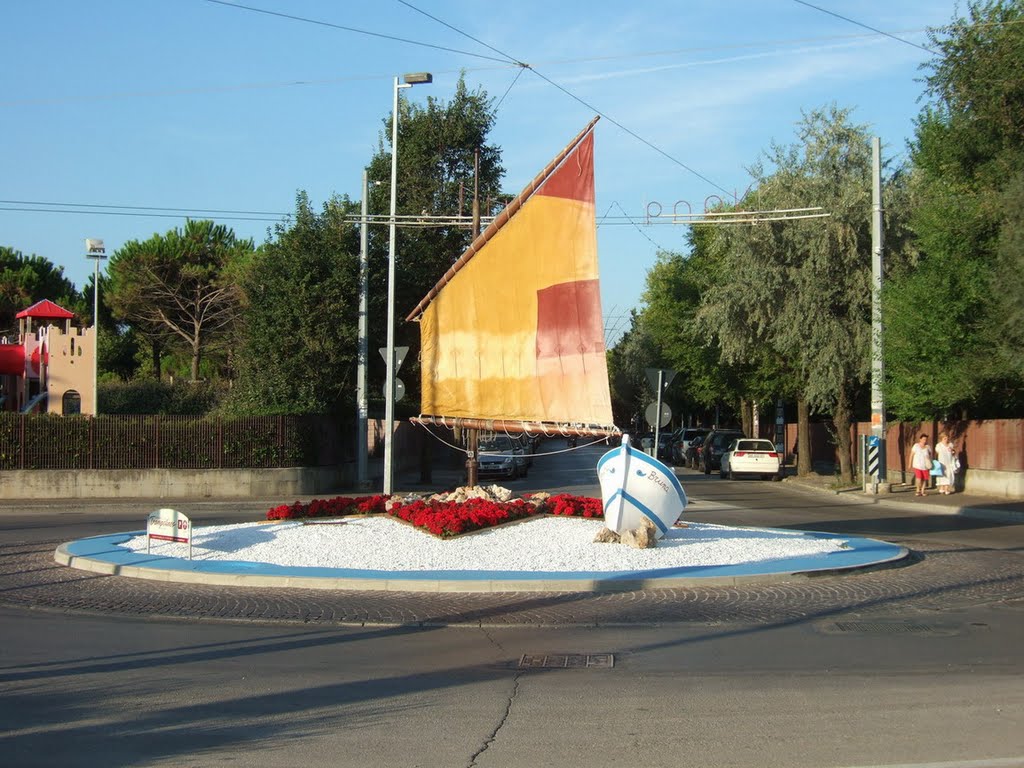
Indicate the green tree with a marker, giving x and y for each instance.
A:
(118, 342)
(24, 280)
(947, 346)
(1008, 280)
(674, 289)
(798, 293)
(634, 352)
(180, 289)
(299, 350)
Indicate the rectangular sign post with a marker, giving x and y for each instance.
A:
(169, 525)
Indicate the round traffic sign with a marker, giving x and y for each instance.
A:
(399, 389)
(651, 414)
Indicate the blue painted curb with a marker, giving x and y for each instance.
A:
(104, 554)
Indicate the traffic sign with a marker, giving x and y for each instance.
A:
(400, 353)
(651, 414)
(667, 374)
(399, 389)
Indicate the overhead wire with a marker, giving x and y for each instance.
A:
(865, 26)
(572, 95)
(507, 60)
(222, 88)
(771, 44)
(629, 219)
(141, 207)
(464, 34)
(509, 89)
(128, 213)
(332, 25)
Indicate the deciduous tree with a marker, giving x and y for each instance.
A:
(948, 348)
(299, 348)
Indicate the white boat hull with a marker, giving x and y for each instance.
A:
(636, 487)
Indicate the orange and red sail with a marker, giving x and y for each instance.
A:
(514, 330)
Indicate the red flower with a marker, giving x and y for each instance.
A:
(442, 518)
(574, 506)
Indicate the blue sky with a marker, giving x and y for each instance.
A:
(191, 104)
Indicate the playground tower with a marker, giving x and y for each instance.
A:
(49, 369)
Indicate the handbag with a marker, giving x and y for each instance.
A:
(937, 470)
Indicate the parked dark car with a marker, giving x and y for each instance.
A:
(528, 447)
(692, 457)
(665, 447)
(681, 442)
(715, 444)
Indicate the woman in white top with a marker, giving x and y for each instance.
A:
(921, 463)
(946, 482)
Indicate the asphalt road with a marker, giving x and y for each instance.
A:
(927, 678)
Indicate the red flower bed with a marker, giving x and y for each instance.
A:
(574, 506)
(337, 507)
(442, 518)
(446, 518)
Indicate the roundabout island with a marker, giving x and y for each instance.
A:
(540, 554)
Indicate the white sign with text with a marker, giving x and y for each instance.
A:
(169, 525)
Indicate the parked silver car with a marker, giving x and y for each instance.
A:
(501, 455)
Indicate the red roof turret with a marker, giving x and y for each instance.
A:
(46, 309)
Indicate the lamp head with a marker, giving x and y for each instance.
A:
(417, 78)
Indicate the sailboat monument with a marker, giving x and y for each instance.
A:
(512, 338)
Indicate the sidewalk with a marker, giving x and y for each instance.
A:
(902, 497)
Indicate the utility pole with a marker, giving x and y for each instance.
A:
(878, 426)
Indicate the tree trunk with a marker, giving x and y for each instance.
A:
(156, 352)
(803, 438)
(746, 417)
(841, 422)
(195, 361)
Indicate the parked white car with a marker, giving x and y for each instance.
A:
(751, 456)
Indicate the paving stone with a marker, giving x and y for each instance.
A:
(941, 578)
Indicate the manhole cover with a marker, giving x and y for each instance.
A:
(567, 660)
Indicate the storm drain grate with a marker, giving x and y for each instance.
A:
(883, 628)
(567, 660)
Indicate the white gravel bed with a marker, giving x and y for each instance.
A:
(544, 544)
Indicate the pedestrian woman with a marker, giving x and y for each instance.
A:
(921, 464)
(946, 482)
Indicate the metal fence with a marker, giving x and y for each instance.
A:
(166, 442)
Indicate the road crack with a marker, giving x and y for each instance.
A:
(501, 723)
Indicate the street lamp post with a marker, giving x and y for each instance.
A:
(389, 385)
(364, 290)
(94, 249)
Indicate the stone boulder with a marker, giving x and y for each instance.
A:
(640, 538)
(606, 536)
(492, 493)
